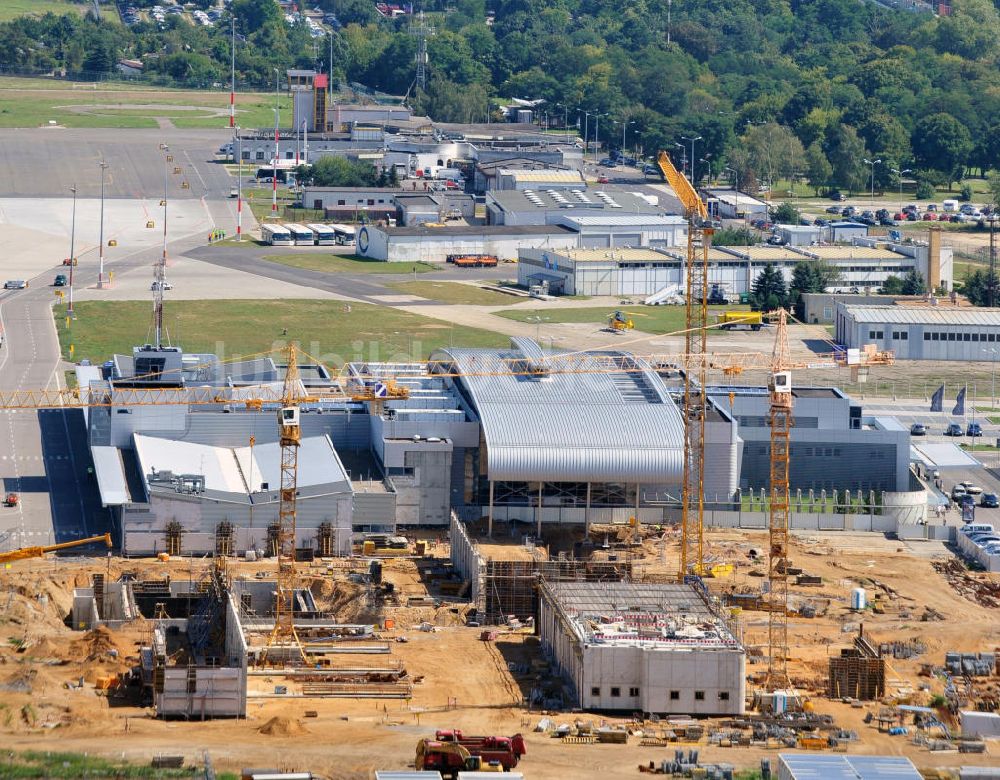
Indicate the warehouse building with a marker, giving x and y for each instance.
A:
(833, 447)
(599, 271)
(642, 648)
(546, 206)
(349, 204)
(730, 204)
(433, 244)
(921, 332)
(539, 179)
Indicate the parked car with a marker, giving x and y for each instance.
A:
(837, 195)
(912, 216)
(957, 492)
(953, 429)
(60, 280)
(966, 500)
(165, 285)
(833, 209)
(930, 216)
(15, 284)
(918, 429)
(974, 429)
(848, 211)
(602, 179)
(971, 487)
(647, 168)
(607, 162)
(989, 500)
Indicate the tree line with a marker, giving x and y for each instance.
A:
(804, 89)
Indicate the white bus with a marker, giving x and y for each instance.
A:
(276, 235)
(301, 235)
(345, 234)
(324, 234)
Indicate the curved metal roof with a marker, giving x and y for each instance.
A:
(570, 427)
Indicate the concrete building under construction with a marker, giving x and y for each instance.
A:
(659, 649)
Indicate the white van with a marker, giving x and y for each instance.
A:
(949, 206)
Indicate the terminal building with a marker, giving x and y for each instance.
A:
(519, 435)
(642, 648)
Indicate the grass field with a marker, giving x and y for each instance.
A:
(38, 764)
(454, 292)
(34, 102)
(11, 9)
(348, 263)
(330, 331)
(652, 319)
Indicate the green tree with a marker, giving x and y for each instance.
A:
(252, 15)
(977, 287)
(993, 181)
(941, 143)
(818, 168)
(846, 153)
(768, 291)
(786, 214)
(734, 237)
(893, 285)
(913, 283)
(336, 171)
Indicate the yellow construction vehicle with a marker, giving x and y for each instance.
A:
(619, 321)
(38, 552)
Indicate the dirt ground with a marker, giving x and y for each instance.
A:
(465, 682)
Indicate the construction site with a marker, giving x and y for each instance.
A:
(556, 555)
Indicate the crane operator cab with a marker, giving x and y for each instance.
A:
(288, 417)
(781, 382)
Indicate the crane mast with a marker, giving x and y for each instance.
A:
(780, 392)
(284, 640)
(694, 402)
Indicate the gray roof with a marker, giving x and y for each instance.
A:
(924, 315)
(474, 230)
(576, 427)
(574, 201)
(824, 767)
(234, 473)
(622, 220)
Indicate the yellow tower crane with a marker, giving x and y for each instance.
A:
(695, 403)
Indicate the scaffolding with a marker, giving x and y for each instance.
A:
(858, 672)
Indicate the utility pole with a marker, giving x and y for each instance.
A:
(329, 78)
(694, 178)
(993, 260)
(239, 185)
(100, 269)
(72, 254)
(274, 179)
(872, 163)
(232, 84)
(899, 177)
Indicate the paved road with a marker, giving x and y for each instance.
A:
(369, 288)
(43, 454)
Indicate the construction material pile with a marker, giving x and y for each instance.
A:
(979, 590)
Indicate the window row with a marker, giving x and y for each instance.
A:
(674, 695)
(937, 336)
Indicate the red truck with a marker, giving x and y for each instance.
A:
(451, 752)
(506, 750)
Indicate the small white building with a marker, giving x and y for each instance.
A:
(434, 244)
(730, 204)
(837, 232)
(625, 230)
(539, 179)
(800, 235)
(642, 648)
(599, 271)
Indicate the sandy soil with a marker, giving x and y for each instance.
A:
(465, 682)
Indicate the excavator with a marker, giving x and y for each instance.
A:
(37, 552)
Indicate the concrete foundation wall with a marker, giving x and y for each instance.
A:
(467, 561)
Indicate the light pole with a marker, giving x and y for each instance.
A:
(72, 254)
(565, 109)
(586, 136)
(239, 185)
(329, 79)
(993, 377)
(597, 132)
(232, 83)
(624, 127)
(693, 158)
(707, 162)
(872, 163)
(166, 165)
(100, 269)
(684, 157)
(899, 176)
(274, 178)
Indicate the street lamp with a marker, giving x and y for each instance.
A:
(565, 109)
(586, 136)
(707, 162)
(624, 127)
(100, 270)
(684, 157)
(872, 163)
(597, 131)
(993, 377)
(239, 185)
(277, 153)
(899, 176)
(72, 254)
(692, 140)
